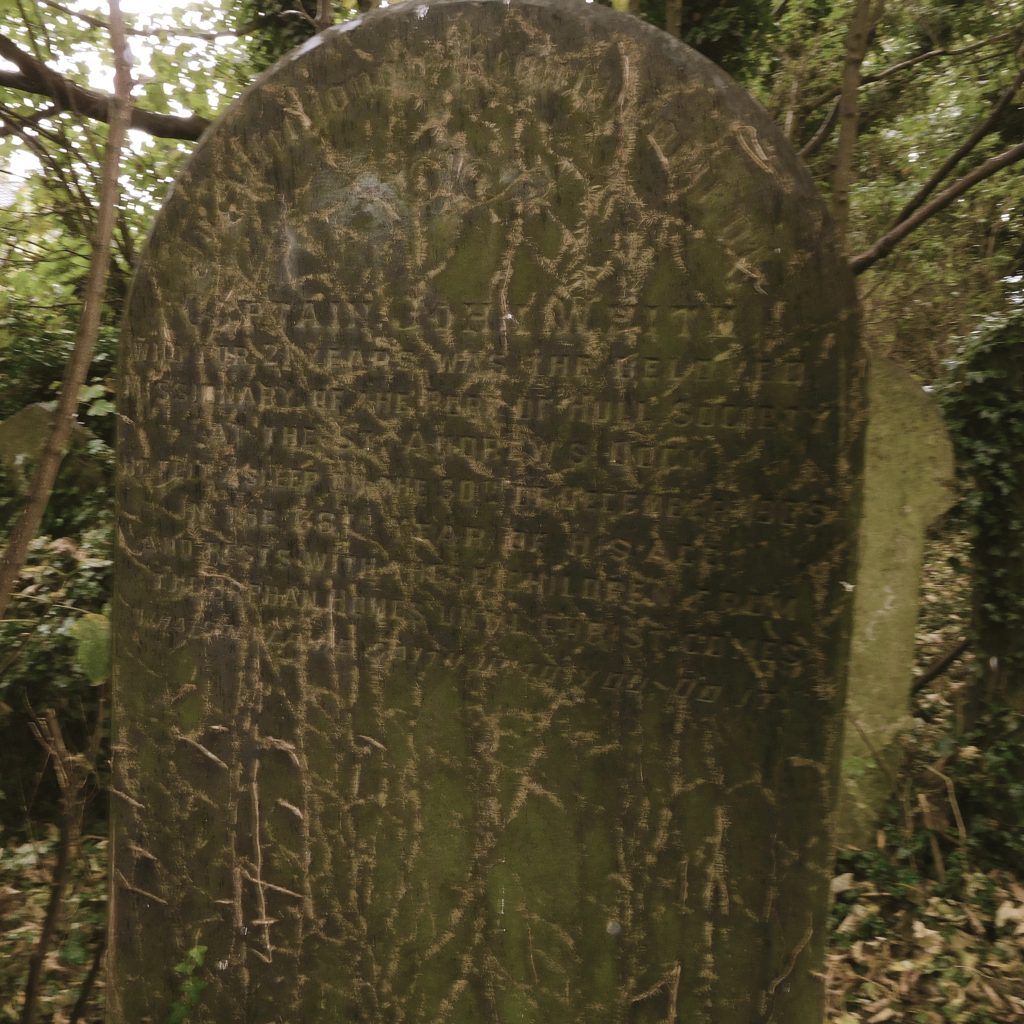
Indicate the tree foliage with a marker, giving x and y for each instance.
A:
(275, 27)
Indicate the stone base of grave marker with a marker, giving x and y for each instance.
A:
(491, 411)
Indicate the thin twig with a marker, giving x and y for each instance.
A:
(673, 1002)
(910, 62)
(939, 666)
(953, 803)
(23, 121)
(791, 962)
(933, 842)
(298, 12)
(79, 215)
(35, 32)
(49, 928)
(73, 772)
(14, 655)
(145, 893)
(895, 69)
(90, 979)
(882, 766)
(817, 140)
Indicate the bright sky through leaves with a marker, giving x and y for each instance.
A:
(140, 15)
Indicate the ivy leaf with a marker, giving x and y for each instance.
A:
(101, 407)
(92, 635)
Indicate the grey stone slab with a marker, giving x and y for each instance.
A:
(908, 484)
(488, 471)
(24, 434)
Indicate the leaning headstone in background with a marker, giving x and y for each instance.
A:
(908, 484)
(489, 465)
(23, 436)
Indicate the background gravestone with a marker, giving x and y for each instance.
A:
(908, 484)
(488, 468)
(22, 439)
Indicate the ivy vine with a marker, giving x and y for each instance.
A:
(984, 406)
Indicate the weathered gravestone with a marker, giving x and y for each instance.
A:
(491, 411)
(908, 484)
(22, 439)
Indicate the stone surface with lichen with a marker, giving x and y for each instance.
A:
(488, 470)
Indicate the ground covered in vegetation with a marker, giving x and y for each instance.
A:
(928, 925)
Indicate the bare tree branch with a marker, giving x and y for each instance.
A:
(50, 919)
(972, 140)
(298, 12)
(73, 771)
(78, 215)
(881, 76)
(817, 140)
(940, 665)
(885, 245)
(33, 76)
(32, 120)
(34, 32)
(100, 938)
(119, 118)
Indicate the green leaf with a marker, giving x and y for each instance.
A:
(73, 952)
(92, 635)
(192, 989)
(101, 407)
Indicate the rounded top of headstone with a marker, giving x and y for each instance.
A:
(460, 104)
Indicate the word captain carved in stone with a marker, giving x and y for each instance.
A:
(488, 473)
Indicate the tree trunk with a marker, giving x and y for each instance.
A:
(842, 173)
(674, 18)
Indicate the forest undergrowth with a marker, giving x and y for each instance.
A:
(928, 923)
